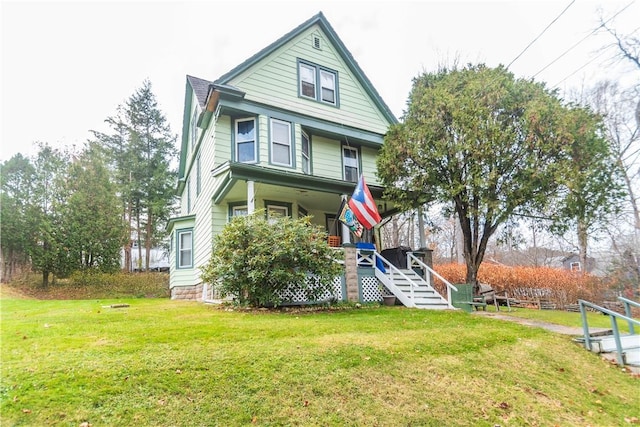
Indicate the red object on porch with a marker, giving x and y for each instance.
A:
(334, 241)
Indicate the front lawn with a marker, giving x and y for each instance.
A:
(167, 363)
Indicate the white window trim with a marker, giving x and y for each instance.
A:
(288, 144)
(275, 207)
(239, 208)
(180, 249)
(237, 141)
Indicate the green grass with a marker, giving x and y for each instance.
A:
(169, 363)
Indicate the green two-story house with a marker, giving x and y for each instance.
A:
(290, 130)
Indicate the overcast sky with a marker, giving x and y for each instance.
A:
(66, 66)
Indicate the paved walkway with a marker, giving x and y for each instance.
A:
(565, 330)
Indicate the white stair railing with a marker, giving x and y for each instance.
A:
(370, 257)
(413, 261)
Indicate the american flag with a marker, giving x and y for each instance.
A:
(363, 205)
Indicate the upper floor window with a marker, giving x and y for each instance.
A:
(185, 248)
(318, 83)
(280, 142)
(350, 163)
(245, 135)
(306, 154)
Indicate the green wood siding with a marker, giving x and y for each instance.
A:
(369, 169)
(274, 81)
(326, 157)
(222, 140)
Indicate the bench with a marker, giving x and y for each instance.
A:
(465, 300)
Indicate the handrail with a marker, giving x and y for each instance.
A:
(614, 326)
(627, 310)
(411, 257)
(396, 270)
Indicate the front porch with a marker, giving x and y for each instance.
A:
(369, 277)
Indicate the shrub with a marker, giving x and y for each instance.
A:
(559, 286)
(255, 259)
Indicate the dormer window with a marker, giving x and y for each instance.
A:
(318, 83)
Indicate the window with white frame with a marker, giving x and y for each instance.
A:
(275, 211)
(280, 142)
(350, 163)
(238, 210)
(306, 154)
(328, 87)
(307, 80)
(185, 248)
(245, 136)
(318, 83)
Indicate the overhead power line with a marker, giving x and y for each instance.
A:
(540, 35)
(583, 39)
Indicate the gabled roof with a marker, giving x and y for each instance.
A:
(322, 22)
(200, 88)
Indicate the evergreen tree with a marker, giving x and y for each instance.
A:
(17, 182)
(154, 144)
(141, 152)
(91, 216)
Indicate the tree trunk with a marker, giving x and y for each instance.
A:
(583, 237)
(45, 279)
(148, 239)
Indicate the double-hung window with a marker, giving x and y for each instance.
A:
(245, 135)
(185, 248)
(350, 163)
(306, 154)
(318, 83)
(280, 142)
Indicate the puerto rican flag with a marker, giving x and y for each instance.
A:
(363, 205)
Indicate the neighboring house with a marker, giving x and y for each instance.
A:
(572, 263)
(289, 131)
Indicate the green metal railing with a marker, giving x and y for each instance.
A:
(614, 323)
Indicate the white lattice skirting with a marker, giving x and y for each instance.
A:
(298, 295)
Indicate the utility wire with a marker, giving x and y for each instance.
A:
(589, 62)
(540, 35)
(583, 39)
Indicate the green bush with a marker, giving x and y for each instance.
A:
(254, 259)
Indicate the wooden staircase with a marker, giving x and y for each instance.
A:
(412, 290)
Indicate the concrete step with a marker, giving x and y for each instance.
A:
(608, 343)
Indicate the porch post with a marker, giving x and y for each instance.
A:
(351, 272)
(344, 230)
(251, 203)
